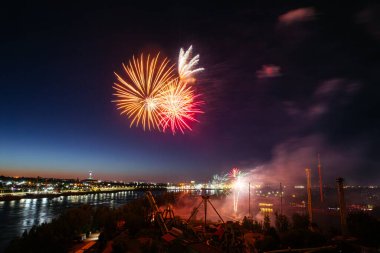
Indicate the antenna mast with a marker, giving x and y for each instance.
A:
(320, 178)
(309, 201)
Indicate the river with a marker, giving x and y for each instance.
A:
(18, 215)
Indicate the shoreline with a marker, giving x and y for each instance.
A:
(10, 197)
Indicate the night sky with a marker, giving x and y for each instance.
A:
(284, 80)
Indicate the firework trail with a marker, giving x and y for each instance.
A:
(178, 106)
(138, 95)
(234, 173)
(236, 201)
(186, 65)
(237, 183)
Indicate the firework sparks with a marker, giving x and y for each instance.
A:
(237, 183)
(153, 97)
(186, 65)
(178, 106)
(217, 179)
(138, 95)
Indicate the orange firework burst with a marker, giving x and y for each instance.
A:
(138, 95)
(178, 106)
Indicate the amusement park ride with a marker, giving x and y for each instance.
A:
(207, 237)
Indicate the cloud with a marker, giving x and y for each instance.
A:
(317, 110)
(369, 18)
(328, 87)
(333, 92)
(330, 93)
(297, 15)
(289, 160)
(292, 156)
(291, 108)
(268, 71)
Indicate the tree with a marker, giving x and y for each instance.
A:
(281, 222)
(266, 226)
(25, 234)
(257, 227)
(247, 223)
(266, 244)
(300, 221)
(365, 227)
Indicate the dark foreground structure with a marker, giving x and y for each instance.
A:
(141, 226)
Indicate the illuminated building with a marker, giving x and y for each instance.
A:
(266, 208)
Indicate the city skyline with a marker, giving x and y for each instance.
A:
(280, 85)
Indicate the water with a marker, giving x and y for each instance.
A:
(18, 215)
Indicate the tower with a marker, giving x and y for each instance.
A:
(342, 206)
(320, 179)
(90, 174)
(249, 199)
(281, 198)
(309, 206)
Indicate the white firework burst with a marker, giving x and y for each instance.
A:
(186, 65)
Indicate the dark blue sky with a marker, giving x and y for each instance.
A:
(57, 65)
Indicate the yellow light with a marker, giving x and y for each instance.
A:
(265, 204)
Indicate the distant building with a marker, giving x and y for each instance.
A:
(90, 180)
(266, 208)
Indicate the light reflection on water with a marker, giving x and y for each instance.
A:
(18, 215)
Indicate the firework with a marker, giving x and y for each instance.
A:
(234, 173)
(237, 183)
(186, 65)
(153, 97)
(236, 200)
(178, 106)
(138, 95)
(217, 179)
